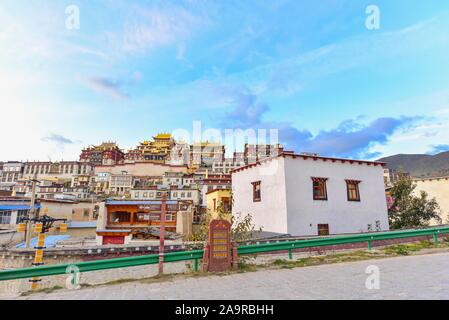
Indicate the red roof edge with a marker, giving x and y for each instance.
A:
(315, 158)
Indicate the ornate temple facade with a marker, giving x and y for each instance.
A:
(157, 150)
(107, 153)
(203, 154)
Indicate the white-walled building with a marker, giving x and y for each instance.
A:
(438, 188)
(120, 184)
(311, 195)
(11, 173)
(173, 193)
(226, 166)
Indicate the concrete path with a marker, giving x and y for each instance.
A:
(411, 277)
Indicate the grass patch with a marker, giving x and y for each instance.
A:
(327, 259)
(406, 249)
(247, 267)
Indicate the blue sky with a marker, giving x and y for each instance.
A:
(310, 69)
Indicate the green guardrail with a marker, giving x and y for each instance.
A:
(51, 270)
(368, 238)
(196, 255)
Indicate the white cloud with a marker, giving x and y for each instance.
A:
(150, 28)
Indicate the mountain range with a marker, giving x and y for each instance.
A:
(420, 165)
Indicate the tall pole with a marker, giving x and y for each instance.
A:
(31, 214)
(162, 233)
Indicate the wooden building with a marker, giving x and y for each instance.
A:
(141, 217)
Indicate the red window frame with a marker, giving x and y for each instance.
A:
(319, 188)
(353, 194)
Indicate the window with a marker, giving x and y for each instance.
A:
(319, 189)
(323, 229)
(226, 204)
(256, 191)
(20, 215)
(141, 217)
(5, 217)
(155, 217)
(120, 217)
(352, 187)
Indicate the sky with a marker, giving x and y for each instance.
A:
(330, 77)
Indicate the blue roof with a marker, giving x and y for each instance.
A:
(18, 207)
(137, 202)
(50, 241)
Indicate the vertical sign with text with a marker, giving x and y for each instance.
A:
(220, 246)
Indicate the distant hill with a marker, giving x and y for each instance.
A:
(420, 165)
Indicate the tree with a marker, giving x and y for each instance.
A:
(410, 210)
(242, 227)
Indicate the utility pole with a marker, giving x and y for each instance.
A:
(32, 213)
(162, 233)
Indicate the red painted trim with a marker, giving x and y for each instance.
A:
(305, 157)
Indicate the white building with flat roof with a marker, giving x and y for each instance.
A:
(311, 195)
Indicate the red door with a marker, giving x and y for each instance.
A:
(113, 240)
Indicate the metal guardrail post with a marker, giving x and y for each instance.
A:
(435, 237)
(195, 265)
(290, 255)
(369, 245)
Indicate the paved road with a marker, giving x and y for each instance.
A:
(412, 277)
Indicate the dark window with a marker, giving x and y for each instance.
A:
(141, 217)
(319, 189)
(256, 191)
(120, 217)
(226, 204)
(352, 187)
(323, 229)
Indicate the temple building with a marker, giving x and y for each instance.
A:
(256, 152)
(180, 154)
(108, 153)
(203, 154)
(157, 150)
